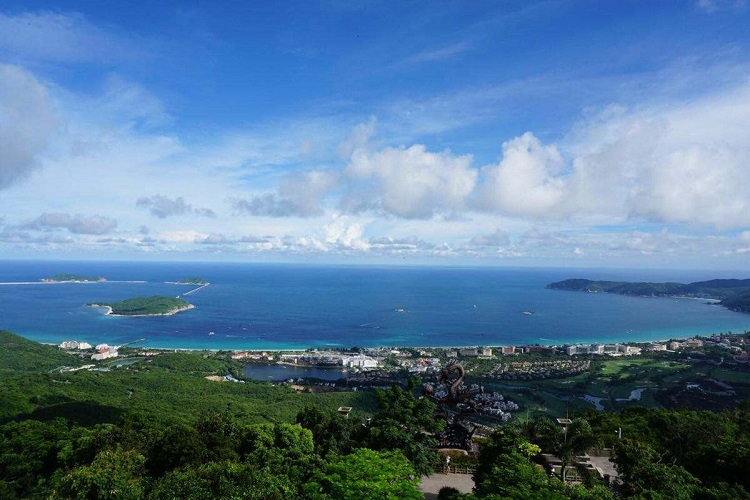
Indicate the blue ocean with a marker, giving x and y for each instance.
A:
(274, 306)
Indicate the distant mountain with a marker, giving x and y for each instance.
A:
(733, 294)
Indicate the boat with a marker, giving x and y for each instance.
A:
(400, 310)
(212, 333)
(528, 313)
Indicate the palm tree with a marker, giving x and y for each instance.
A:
(565, 441)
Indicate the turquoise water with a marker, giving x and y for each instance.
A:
(250, 306)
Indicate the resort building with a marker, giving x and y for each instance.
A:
(610, 349)
(359, 361)
(74, 345)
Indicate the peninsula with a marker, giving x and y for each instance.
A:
(73, 278)
(734, 294)
(156, 305)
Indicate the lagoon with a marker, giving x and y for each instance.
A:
(278, 373)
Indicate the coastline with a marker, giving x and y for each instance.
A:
(253, 349)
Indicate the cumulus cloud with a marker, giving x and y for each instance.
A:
(497, 239)
(340, 232)
(163, 207)
(76, 224)
(527, 182)
(685, 163)
(27, 122)
(413, 182)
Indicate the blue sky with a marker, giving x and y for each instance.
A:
(566, 133)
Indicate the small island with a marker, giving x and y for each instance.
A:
(156, 305)
(73, 278)
(192, 281)
(734, 294)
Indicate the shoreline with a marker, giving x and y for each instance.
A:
(397, 347)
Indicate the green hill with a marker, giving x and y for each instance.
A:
(739, 302)
(734, 294)
(20, 355)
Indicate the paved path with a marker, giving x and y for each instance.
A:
(431, 485)
(605, 464)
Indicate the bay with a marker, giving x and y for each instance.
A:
(275, 307)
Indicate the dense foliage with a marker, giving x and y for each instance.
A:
(160, 430)
(146, 306)
(18, 354)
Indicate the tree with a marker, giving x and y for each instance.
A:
(28, 454)
(112, 475)
(565, 442)
(178, 445)
(504, 469)
(644, 475)
(365, 474)
(280, 448)
(406, 423)
(224, 480)
(331, 432)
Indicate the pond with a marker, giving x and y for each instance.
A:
(278, 373)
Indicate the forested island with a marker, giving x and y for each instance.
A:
(156, 305)
(73, 278)
(192, 281)
(734, 294)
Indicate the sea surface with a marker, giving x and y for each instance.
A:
(269, 306)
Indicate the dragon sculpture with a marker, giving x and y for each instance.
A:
(457, 391)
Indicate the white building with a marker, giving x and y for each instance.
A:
(73, 344)
(359, 361)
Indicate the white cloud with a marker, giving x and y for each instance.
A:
(340, 232)
(681, 163)
(57, 37)
(76, 224)
(27, 122)
(163, 207)
(299, 195)
(711, 6)
(412, 182)
(527, 182)
(440, 54)
(497, 239)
